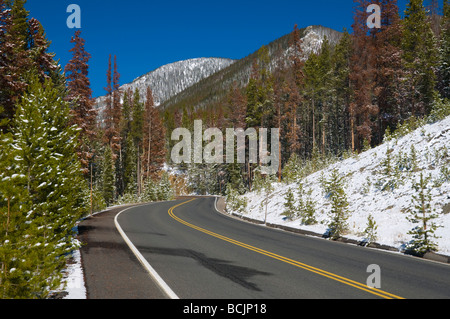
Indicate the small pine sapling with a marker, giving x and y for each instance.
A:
(339, 206)
(290, 210)
(306, 206)
(423, 214)
(371, 230)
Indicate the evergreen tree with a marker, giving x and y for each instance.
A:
(130, 166)
(290, 210)
(444, 61)
(341, 86)
(111, 116)
(422, 214)
(325, 89)
(371, 230)
(306, 206)
(43, 61)
(312, 81)
(12, 223)
(339, 205)
(47, 169)
(420, 57)
(108, 176)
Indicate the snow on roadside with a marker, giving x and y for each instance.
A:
(75, 286)
(363, 175)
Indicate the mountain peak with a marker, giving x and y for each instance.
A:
(171, 79)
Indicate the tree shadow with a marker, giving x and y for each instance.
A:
(237, 274)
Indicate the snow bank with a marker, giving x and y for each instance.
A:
(364, 180)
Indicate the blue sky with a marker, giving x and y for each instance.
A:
(148, 34)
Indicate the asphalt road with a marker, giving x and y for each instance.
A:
(202, 254)
(111, 270)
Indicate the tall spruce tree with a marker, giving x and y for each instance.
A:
(47, 169)
(341, 86)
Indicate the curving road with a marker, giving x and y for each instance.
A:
(199, 253)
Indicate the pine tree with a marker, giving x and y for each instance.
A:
(325, 89)
(312, 81)
(290, 210)
(444, 56)
(422, 214)
(371, 231)
(12, 223)
(43, 61)
(47, 169)
(108, 176)
(306, 206)
(341, 84)
(420, 57)
(339, 205)
(110, 136)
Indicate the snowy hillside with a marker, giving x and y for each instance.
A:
(368, 189)
(171, 79)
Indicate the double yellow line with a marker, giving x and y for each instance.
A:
(295, 263)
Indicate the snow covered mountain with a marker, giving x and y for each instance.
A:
(171, 79)
(214, 88)
(370, 191)
(204, 80)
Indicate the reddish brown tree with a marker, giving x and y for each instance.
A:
(79, 94)
(363, 108)
(43, 61)
(389, 70)
(108, 109)
(154, 143)
(237, 105)
(294, 83)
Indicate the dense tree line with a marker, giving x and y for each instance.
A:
(341, 99)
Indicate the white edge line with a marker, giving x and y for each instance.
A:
(162, 284)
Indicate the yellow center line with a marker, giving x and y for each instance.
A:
(295, 263)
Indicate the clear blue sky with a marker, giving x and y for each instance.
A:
(148, 34)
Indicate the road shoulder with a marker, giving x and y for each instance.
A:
(111, 270)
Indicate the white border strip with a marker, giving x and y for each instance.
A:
(167, 290)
